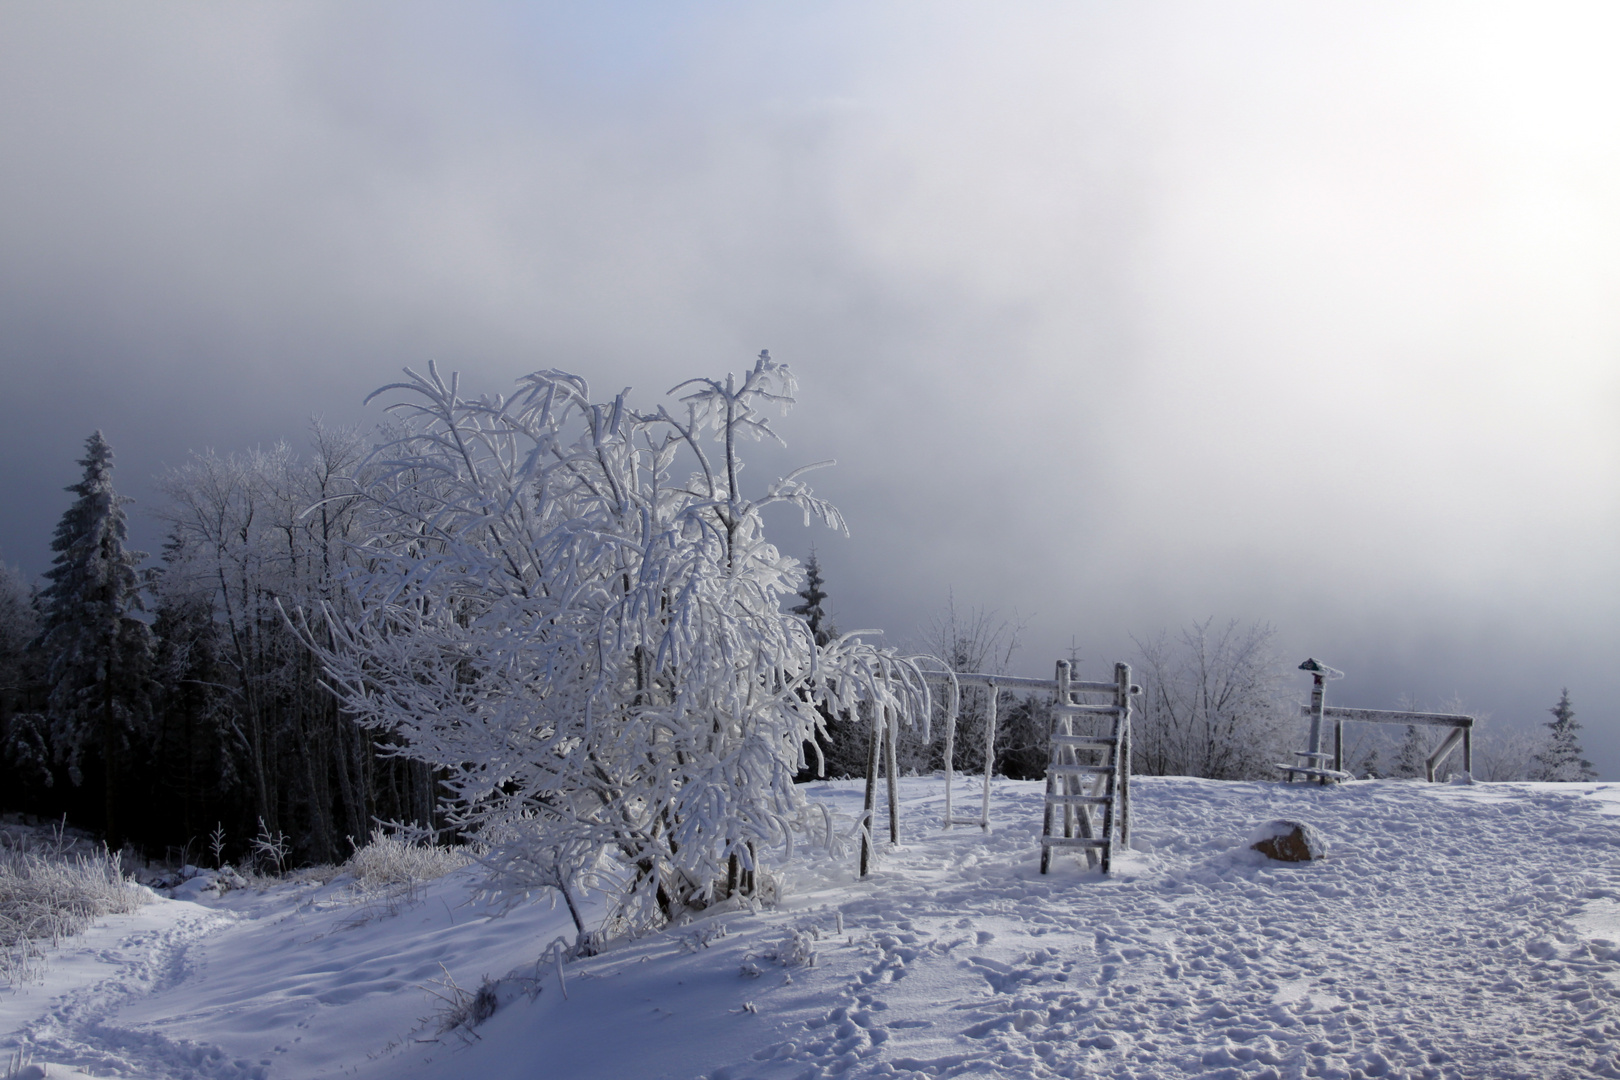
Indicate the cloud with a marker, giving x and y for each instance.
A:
(1123, 317)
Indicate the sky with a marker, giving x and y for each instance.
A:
(1115, 317)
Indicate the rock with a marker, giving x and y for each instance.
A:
(205, 884)
(1287, 841)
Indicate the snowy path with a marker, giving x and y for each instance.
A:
(294, 984)
(92, 976)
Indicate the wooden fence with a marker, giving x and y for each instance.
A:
(1461, 734)
(885, 730)
(1319, 711)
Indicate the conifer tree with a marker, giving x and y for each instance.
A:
(98, 649)
(1561, 758)
(1412, 758)
(843, 741)
(811, 610)
(24, 760)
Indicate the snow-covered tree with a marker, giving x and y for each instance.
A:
(1024, 736)
(592, 646)
(19, 624)
(99, 649)
(1560, 757)
(974, 639)
(1411, 760)
(193, 769)
(1503, 755)
(1214, 703)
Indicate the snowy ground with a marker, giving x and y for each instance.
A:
(1452, 931)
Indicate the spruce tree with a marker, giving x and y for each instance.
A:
(1412, 758)
(24, 756)
(1561, 758)
(811, 610)
(844, 747)
(98, 650)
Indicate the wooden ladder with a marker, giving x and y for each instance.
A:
(1088, 774)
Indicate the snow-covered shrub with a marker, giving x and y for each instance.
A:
(49, 891)
(395, 861)
(572, 610)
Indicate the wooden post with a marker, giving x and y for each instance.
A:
(1062, 698)
(889, 767)
(1431, 767)
(1122, 750)
(989, 752)
(1066, 755)
(1318, 700)
(873, 760)
(1338, 746)
(1468, 750)
(950, 750)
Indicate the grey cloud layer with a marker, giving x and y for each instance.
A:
(1117, 317)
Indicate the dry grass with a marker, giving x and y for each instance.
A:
(390, 870)
(50, 888)
(391, 862)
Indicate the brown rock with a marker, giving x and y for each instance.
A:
(1287, 841)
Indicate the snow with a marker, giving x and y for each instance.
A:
(1453, 930)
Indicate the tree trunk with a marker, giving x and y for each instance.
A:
(109, 763)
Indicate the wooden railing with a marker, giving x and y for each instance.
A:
(1461, 734)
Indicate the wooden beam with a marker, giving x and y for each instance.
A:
(1386, 716)
(1432, 767)
(992, 693)
(889, 767)
(873, 762)
(974, 678)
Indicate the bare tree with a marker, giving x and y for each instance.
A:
(250, 534)
(1503, 755)
(1215, 703)
(966, 640)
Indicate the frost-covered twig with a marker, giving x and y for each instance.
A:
(272, 846)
